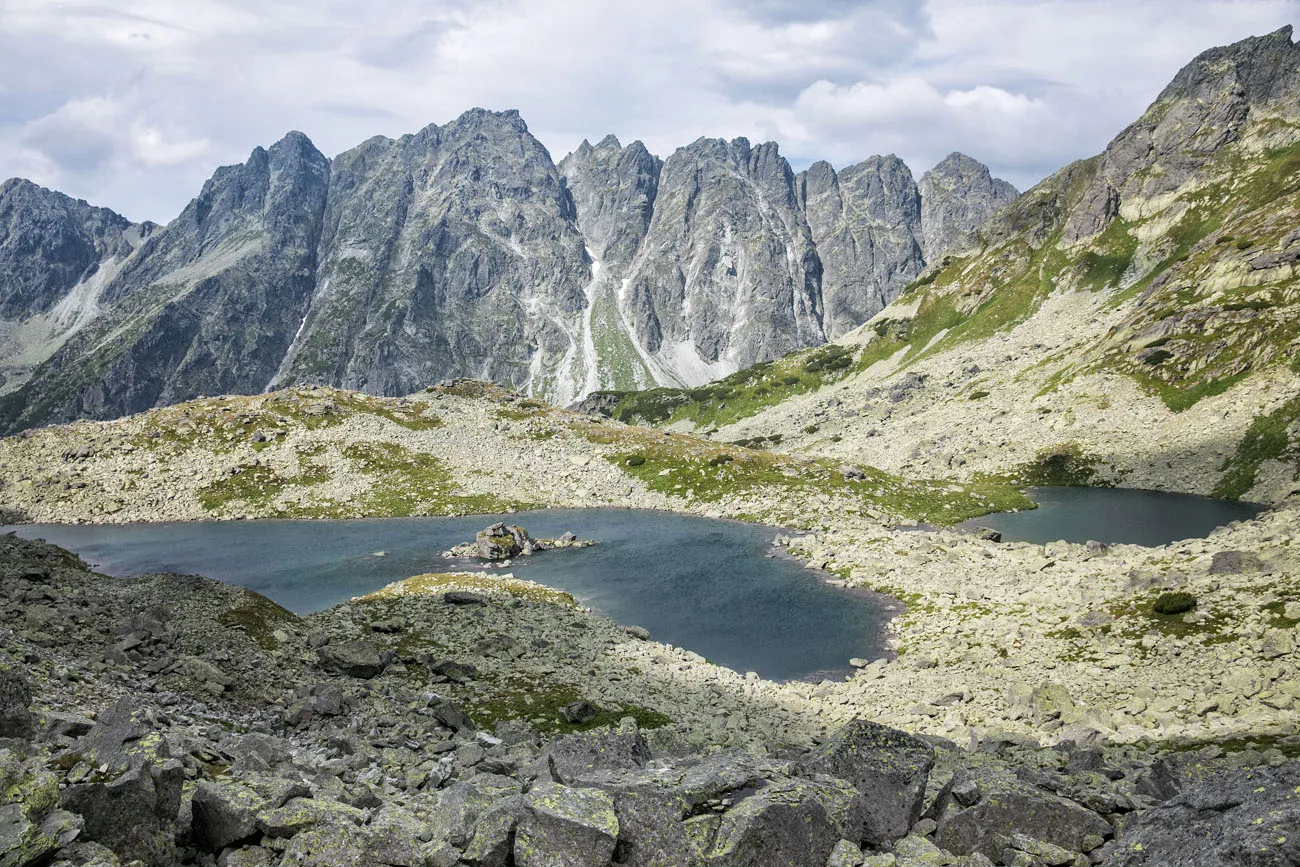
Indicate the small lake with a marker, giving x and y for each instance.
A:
(1115, 515)
(708, 586)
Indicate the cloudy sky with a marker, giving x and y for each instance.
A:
(132, 103)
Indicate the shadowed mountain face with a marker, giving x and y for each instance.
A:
(462, 250)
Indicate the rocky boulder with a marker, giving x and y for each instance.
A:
(15, 705)
(889, 769)
(503, 541)
(32, 827)
(231, 811)
(1248, 816)
(563, 827)
(132, 800)
(783, 822)
(359, 659)
(980, 810)
(572, 757)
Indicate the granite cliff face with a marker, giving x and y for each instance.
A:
(207, 305)
(451, 252)
(728, 274)
(1207, 107)
(866, 221)
(462, 250)
(56, 256)
(957, 197)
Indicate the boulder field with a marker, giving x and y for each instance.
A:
(479, 720)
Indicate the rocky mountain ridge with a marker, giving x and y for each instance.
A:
(460, 250)
(1134, 319)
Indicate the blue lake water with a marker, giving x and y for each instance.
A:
(1115, 515)
(701, 584)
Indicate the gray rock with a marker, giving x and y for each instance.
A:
(1008, 806)
(177, 311)
(845, 854)
(1247, 816)
(358, 659)
(782, 823)
(563, 827)
(957, 197)
(226, 812)
(1204, 108)
(866, 222)
(728, 235)
(1233, 563)
(889, 768)
(501, 542)
(133, 813)
(494, 836)
(577, 712)
(577, 755)
(16, 720)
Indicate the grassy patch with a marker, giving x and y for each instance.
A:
(738, 396)
(255, 486)
(1138, 616)
(259, 618)
(694, 469)
(1279, 618)
(475, 582)
(539, 701)
(1265, 440)
(1062, 465)
(404, 483)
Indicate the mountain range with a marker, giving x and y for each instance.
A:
(462, 250)
(1133, 319)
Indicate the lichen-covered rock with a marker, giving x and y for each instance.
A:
(563, 827)
(574, 756)
(32, 826)
(889, 768)
(1248, 816)
(228, 811)
(783, 822)
(16, 720)
(1008, 806)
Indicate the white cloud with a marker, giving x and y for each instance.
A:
(133, 103)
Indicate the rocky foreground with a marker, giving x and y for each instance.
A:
(478, 720)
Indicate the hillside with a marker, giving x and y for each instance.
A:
(1133, 319)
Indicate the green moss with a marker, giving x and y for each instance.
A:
(255, 486)
(1279, 619)
(1137, 616)
(405, 483)
(738, 396)
(259, 617)
(1108, 257)
(539, 701)
(978, 395)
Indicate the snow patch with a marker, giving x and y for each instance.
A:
(690, 368)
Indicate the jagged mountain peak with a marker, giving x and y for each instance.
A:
(958, 195)
(1261, 67)
(1209, 105)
